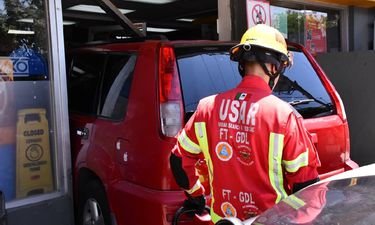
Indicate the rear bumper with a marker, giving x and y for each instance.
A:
(134, 204)
(348, 165)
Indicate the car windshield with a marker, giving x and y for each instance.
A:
(206, 71)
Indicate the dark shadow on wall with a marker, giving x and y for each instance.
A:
(354, 78)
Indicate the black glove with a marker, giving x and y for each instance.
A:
(196, 203)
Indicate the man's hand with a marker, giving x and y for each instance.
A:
(197, 203)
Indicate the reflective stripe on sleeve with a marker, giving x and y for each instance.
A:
(276, 144)
(294, 165)
(294, 202)
(194, 188)
(187, 144)
(200, 131)
(214, 217)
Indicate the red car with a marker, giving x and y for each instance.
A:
(127, 101)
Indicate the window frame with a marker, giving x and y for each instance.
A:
(60, 144)
(343, 11)
(108, 54)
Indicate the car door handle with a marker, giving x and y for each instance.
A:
(83, 132)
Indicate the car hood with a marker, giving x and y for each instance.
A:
(346, 199)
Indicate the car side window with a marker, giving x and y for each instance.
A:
(116, 85)
(83, 82)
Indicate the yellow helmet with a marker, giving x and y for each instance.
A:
(263, 36)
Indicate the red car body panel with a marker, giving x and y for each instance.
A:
(131, 157)
(331, 130)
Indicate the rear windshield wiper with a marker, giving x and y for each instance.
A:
(302, 101)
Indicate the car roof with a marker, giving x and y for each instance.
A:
(164, 41)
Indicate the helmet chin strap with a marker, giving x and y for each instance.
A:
(262, 63)
(271, 75)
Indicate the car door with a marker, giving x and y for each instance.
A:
(111, 125)
(85, 73)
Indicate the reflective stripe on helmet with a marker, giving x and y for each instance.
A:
(275, 172)
(187, 144)
(200, 131)
(295, 164)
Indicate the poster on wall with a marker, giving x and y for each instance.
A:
(279, 19)
(258, 12)
(315, 32)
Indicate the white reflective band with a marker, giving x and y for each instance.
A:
(196, 187)
(294, 165)
(187, 144)
(294, 202)
(200, 129)
(275, 172)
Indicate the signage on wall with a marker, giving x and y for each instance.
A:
(279, 19)
(258, 12)
(315, 32)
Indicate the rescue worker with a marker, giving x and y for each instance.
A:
(256, 149)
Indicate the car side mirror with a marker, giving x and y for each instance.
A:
(3, 213)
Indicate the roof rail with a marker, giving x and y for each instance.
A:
(114, 40)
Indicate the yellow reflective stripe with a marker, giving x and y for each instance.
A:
(196, 187)
(187, 144)
(200, 131)
(275, 152)
(294, 165)
(214, 217)
(294, 202)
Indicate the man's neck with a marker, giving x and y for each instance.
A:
(261, 75)
(255, 69)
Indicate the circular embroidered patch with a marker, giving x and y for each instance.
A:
(224, 151)
(228, 210)
(245, 156)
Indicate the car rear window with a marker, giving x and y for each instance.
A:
(206, 71)
(301, 87)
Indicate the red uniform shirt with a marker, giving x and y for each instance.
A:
(255, 146)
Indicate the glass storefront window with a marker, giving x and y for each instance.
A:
(317, 30)
(26, 121)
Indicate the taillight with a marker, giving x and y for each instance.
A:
(171, 111)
